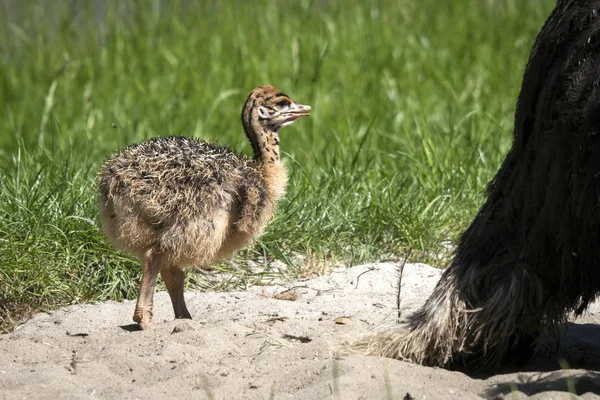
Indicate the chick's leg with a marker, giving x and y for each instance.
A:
(143, 309)
(174, 280)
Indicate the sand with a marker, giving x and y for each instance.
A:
(269, 342)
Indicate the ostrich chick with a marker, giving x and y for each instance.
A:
(178, 203)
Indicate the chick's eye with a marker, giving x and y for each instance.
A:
(282, 103)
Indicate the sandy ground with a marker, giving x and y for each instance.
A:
(252, 345)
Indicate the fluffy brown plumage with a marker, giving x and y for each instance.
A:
(530, 257)
(178, 202)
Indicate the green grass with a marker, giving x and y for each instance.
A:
(413, 105)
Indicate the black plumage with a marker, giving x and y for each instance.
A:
(531, 256)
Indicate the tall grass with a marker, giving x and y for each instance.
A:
(413, 105)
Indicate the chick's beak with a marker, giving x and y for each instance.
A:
(296, 111)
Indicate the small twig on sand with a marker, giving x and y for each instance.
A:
(400, 272)
(74, 363)
(301, 339)
(361, 274)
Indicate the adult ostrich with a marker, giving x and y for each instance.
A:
(531, 257)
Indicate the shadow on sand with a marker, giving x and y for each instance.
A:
(573, 366)
(131, 327)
